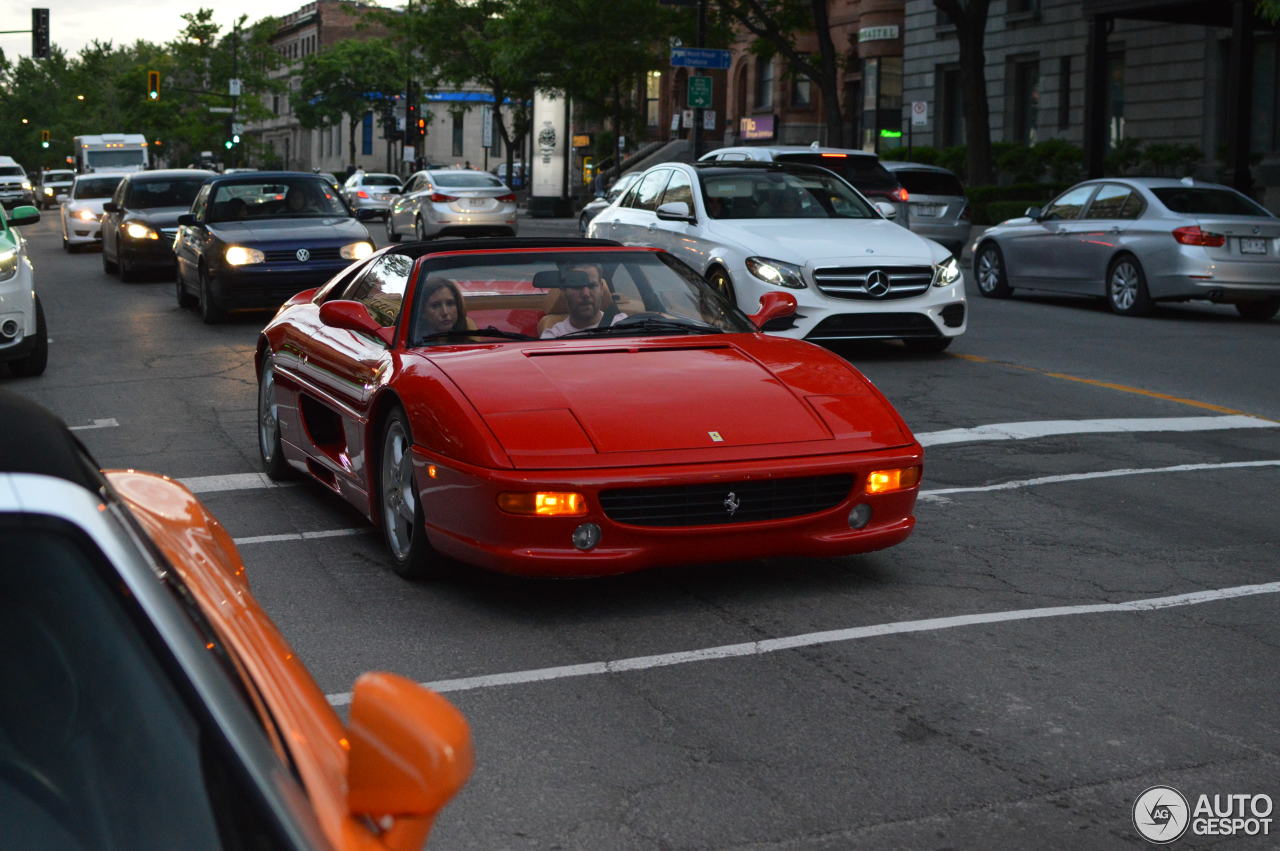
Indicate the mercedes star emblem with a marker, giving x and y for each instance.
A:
(877, 284)
(303, 255)
(731, 503)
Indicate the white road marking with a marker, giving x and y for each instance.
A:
(812, 639)
(300, 536)
(941, 494)
(1046, 428)
(110, 422)
(232, 482)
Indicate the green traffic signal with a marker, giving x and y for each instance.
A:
(44, 144)
(228, 144)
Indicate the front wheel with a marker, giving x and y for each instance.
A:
(392, 236)
(211, 313)
(399, 509)
(1259, 311)
(721, 283)
(1127, 287)
(108, 266)
(269, 451)
(990, 272)
(36, 360)
(419, 230)
(583, 222)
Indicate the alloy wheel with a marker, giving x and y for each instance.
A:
(399, 501)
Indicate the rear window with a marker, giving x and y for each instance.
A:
(95, 187)
(475, 179)
(929, 182)
(381, 180)
(1207, 202)
(864, 172)
(148, 194)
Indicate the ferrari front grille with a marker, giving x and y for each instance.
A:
(725, 502)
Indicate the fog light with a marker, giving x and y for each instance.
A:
(860, 516)
(9, 329)
(544, 503)
(586, 536)
(884, 481)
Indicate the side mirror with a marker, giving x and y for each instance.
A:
(674, 211)
(410, 754)
(1033, 213)
(886, 209)
(774, 306)
(351, 316)
(111, 207)
(393, 190)
(364, 214)
(24, 215)
(187, 220)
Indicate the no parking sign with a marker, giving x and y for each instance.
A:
(919, 113)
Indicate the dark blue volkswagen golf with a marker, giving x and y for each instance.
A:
(252, 240)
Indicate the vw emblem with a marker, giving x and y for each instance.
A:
(303, 255)
(877, 284)
(1256, 229)
(731, 503)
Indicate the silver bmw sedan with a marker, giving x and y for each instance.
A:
(1136, 241)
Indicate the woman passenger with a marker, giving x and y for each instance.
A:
(442, 307)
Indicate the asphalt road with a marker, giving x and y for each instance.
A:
(991, 683)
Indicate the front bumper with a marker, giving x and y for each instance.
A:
(17, 197)
(464, 521)
(17, 302)
(267, 285)
(148, 253)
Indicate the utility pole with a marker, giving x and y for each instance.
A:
(697, 72)
(235, 93)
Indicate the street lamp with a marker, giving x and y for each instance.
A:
(26, 121)
(79, 97)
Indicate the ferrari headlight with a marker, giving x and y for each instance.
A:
(8, 264)
(776, 272)
(356, 250)
(238, 255)
(84, 215)
(137, 230)
(946, 273)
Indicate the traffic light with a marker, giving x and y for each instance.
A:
(227, 144)
(422, 127)
(44, 138)
(410, 124)
(153, 85)
(39, 33)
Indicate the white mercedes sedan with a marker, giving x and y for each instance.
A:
(756, 227)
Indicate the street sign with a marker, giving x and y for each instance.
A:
(486, 126)
(687, 116)
(225, 109)
(919, 113)
(236, 128)
(708, 119)
(699, 57)
(233, 88)
(700, 92)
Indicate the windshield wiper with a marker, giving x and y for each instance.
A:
(650, 323)
(476, 332)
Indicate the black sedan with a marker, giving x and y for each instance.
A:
(254, 240)
(141, 219)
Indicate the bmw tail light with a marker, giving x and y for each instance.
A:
(510, 196)
(899, 479)
(900, 194)
(1194, 236)
(441, 199)
(362, 194)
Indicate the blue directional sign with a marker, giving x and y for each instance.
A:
(699, 57)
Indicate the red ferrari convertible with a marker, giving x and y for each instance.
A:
(575, 407)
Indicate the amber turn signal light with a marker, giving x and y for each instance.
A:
(884, 481)
(544, 503)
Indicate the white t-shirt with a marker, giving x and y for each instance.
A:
(564, 326)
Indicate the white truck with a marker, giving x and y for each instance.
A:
(110, 152)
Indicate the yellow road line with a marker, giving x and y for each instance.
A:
(1112, 386)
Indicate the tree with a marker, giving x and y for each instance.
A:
(777, 25)
(1269, 10)
(970, 20)
(346, 81)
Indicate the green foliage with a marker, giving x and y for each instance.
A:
(1168, 159)
(1020, 162)
(1124, 156)
(349, 79)
(1269, 10)
(1062, 159)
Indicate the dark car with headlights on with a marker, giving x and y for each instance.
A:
(141, 219)
(252, 241)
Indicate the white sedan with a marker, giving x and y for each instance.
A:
(82, 209)
(753, 228)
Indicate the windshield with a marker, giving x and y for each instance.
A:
(547, 294)
(115, 159)
(95, 187)
(302, 197)
(1210, 202)
(173, 192)
(58, 176)
(466, 179)
(864, 172)
(11, 170)
(759, 194)
(381, 180)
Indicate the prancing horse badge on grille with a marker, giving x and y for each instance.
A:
(715, 437)
(731, 503)
(303, 255)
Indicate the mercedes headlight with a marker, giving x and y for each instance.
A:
(776, 272)
(356, 250)
(238, 255)
(946, 273)
(137, 230)
(8, 264)
(85, 215)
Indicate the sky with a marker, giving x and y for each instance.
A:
(75, 23)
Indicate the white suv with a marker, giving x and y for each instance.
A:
(24, 341)
(752, 228)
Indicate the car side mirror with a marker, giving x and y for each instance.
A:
(410, 754)
(393, 190)
(24, 215)
(1033, 213)
(187, 220)
(886, 209)
(352, 316)
(774, 306)
(364, 214)
(111, 207)
(674, 211)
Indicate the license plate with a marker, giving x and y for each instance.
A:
(380, 197)
(479, 202)
(926, 209)
(1253, 246)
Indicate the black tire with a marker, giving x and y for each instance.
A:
(108, 266)
(392, 236)
(990, 272)
(269, 450)
(1127, 287)
(929, 346)
(723, 284)
(211, 313)
(36, 360)
(1259, 311)
(186, 301)
(128, 273)
(583, 221)
(399, 509)
(419, 232)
